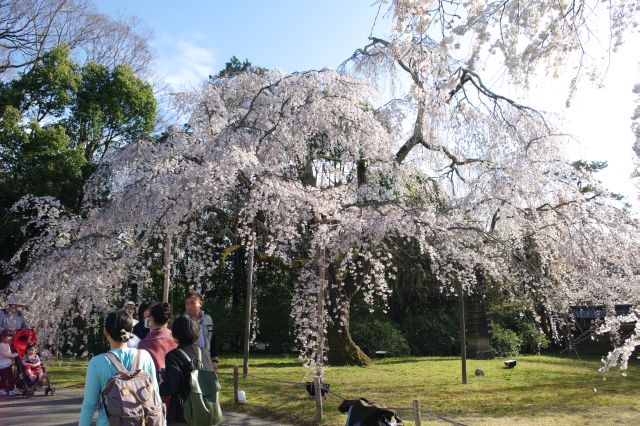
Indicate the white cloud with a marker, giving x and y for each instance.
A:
(184, 64)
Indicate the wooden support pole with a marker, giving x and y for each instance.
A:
(247, 313)
(167, 269)
(235, 385)
(58, 344)
(463, 337)
(318, 392)
(320, 313)
(416, 413)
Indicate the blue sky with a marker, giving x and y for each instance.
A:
(195, 38)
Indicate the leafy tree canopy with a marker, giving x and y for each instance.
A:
(235, 67)
(59, 117)
(56, 121)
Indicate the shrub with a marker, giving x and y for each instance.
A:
(378, 334)
(435, 333)
(533, 340)
(510, 315)
(504, 342)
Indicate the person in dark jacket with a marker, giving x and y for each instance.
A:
(141, 329)
(177, 370)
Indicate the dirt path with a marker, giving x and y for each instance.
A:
(63, 409)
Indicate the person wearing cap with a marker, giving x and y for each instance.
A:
(130, 309)
(12, 317)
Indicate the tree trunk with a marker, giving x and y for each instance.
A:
(239, 281)
(342, 349)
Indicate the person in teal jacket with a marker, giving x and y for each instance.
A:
(117, 329)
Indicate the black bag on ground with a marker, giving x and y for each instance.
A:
(311, 389)
(367, 413)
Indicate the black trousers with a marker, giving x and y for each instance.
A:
(6, 378)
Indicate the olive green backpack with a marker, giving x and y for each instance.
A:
(201, 407)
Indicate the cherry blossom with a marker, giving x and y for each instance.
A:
(480, 181)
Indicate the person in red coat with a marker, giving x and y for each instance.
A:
(159, 341)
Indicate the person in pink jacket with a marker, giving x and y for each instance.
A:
(6, 364)
(159, 340)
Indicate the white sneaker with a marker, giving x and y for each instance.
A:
(3, 392)
(14, 392)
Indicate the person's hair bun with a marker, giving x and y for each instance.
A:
(118, 324)
(161, 313)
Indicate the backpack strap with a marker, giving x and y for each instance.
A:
(199, 357)
(116, 362)
(184, 355)
(135, 365)
(189, 361)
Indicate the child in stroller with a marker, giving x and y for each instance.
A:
(32, 364)
(30, 372)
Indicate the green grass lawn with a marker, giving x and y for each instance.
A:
(541, 390)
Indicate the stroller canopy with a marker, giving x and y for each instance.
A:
(23, 338)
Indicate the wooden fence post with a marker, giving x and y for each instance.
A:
(235, 385)
(416, 412)
(318, 392)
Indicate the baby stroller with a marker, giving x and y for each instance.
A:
(21, 340)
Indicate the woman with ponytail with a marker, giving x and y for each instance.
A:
(117, 331)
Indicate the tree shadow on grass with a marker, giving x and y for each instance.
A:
(287, 364)
(382, 361)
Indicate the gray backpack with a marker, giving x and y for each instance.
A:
(129, 398)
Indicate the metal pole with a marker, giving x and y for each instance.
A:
(463, 337)
(318, 392)
(167, 269)
(247, 313)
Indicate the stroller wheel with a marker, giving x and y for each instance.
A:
(46, 391)
(52, 390)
